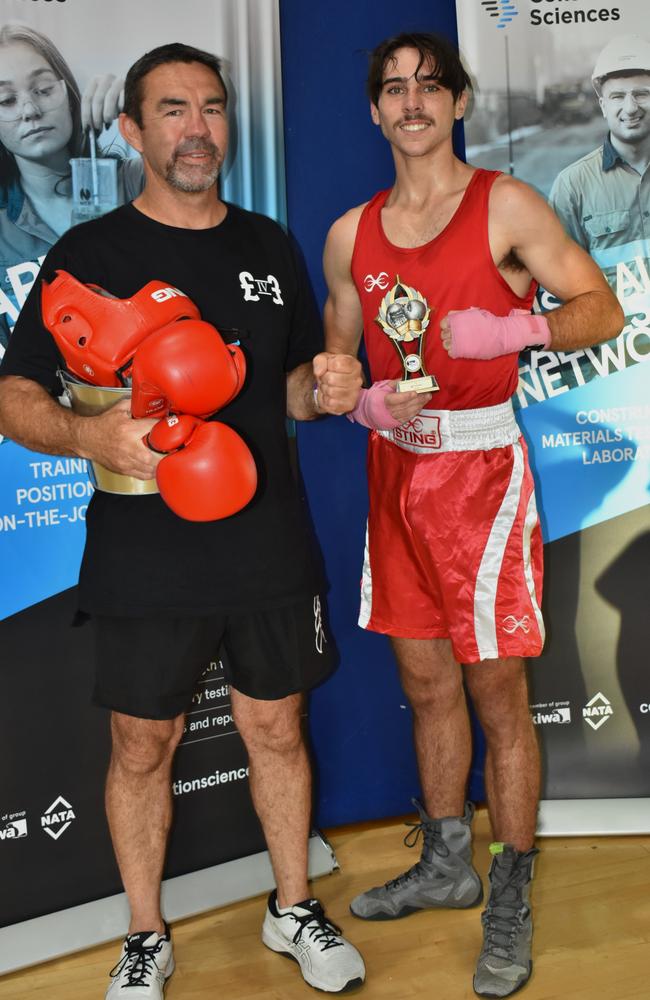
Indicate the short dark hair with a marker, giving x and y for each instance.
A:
(436, 49)
(174, 52)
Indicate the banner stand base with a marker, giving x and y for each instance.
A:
(79, 927)
(593, 817)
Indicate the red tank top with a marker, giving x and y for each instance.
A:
(407, 290)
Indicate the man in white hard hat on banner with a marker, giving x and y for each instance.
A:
(603, 199)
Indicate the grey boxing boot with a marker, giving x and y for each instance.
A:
(443, 877)
(505, 963)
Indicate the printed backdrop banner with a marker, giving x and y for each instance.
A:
(585, 413)
(54, 745)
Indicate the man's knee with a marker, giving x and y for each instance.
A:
(431, 677)
(269, 726)
(499, 691)
(141, 746)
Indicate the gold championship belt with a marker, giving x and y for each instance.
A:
(404, 317)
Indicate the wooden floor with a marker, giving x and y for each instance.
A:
(592, 936)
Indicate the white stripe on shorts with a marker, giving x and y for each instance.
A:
(365, 610)
(529, 525)
(487, 579)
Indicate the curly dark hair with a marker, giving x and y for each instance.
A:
(434, 49)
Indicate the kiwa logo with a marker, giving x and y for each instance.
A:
(502, 9)
(14, 828)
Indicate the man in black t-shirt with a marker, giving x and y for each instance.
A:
(175, 589)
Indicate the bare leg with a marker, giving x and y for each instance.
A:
(512, 767)
(139, 809)
(280, 783)
(433, 683)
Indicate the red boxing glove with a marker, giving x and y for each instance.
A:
(477, 333)
(97, 333)
(210, 474)
(171, 433)
(371, 410)
(185, 367)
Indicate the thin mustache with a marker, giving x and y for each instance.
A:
(414, 118)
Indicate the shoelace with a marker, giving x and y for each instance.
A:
(139, 962)
(504, 915)
(320, 929)
(433, 844)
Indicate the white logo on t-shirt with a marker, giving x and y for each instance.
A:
(253, 288)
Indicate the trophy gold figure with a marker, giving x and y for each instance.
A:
(404, 317)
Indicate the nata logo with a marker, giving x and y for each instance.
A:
(57, 818)
(597, 711)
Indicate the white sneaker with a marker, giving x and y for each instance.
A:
(146, 964)
(303, 932)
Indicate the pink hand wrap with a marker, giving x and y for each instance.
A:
(476, 333)
(371, 409)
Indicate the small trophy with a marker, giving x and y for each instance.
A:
(404, 317)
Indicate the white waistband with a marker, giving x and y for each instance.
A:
(433, 431)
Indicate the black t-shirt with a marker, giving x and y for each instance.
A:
(244, 276)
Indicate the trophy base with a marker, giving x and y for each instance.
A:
(426, 383)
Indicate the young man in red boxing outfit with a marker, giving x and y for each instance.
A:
(453, 564)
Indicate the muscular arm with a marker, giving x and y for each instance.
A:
(29, 416)
(521, 219)
(343, 316)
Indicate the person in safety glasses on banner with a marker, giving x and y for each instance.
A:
(439, 274)
(205, 537)
(45, 123)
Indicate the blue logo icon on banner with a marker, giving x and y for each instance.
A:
(502, 9)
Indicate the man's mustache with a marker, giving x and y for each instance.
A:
(414, 118)
(197, 146)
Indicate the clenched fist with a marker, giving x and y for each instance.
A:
(338, 380)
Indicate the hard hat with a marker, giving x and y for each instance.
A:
(626, 54)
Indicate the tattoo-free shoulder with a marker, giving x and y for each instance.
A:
(340, 239)
(509, 194)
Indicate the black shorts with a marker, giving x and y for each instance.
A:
(149, 667)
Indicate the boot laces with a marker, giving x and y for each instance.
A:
(505, 914)
(139, 962)
(320, 930)
(433, 844)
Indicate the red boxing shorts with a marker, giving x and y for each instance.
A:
(454, 546)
